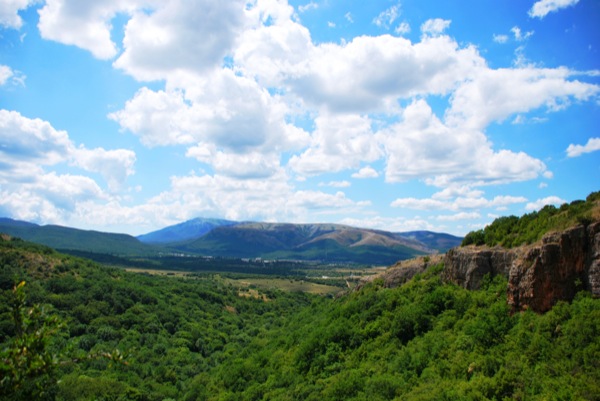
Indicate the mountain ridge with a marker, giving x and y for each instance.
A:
(324, 242)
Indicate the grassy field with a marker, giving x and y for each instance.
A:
(284, 285)
(249, 285)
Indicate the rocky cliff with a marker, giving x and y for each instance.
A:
(538, 275)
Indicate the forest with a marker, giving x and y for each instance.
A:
(74, 329)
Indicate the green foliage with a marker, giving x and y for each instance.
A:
(512, 231)
(27, 361)
(197, 339)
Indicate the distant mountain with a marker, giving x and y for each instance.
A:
(439, 241)
(324, 242)
(328, 243)
(65, 238)
(186, 231)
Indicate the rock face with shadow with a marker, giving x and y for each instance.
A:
(539, 275)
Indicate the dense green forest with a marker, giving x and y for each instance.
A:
(71, 329)
(512, 231)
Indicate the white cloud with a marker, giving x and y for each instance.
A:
(114, 165)
(402, 29)
(423, 147)
(458, 203)
(247, 165)
(500, 38)
(180, 36)
(540, 203)
(339, 142)
(459, 216)
(383, 69)
(5, 74)
(420, 204)
(217, 116)
(348, 17)
(592, 145)
(542, 8)
(366, 172)
(387, 17)
(270, 199)
(493, 95)
(31, 141)
(435, 27)
(83, 24)
(453, 191)
(309, 6)
(28, 145)
(392, 224)
(48, 197)
(520, 36)
(335, 184)
(9, 12)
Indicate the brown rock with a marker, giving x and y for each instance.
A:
(467, 266)
(539, 275)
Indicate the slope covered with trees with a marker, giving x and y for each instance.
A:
(124, 336)
(512, 231)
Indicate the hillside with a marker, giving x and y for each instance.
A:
(325, 242)
(107, 334)
(512, 231)
(188, 230)
(72, 239)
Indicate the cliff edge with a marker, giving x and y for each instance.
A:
(539, 275)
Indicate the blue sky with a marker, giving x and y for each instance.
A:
(131, 115)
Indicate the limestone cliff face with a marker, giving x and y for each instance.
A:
(538, 275)
(468, 265)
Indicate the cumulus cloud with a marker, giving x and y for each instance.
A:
(180, 36)
(370, 73)
(28, 145)
(366, 172)
(83, 24)
(495, 94)
(423, 147)
(393, 224)
(113, 165)
(459, 216)
(458, 203)
(339, 142)
(270, 199)
(542, 8)
(540, 203)
(592, 145)
(217, 117)
(9, 12)
(48, 197)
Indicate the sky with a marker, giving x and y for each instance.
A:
(132, 115)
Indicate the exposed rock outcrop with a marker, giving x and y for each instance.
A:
(467, 266)
(403, 271)
(538, 275)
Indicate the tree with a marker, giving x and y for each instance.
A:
(27, 361)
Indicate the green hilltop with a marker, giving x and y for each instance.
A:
(514, 231)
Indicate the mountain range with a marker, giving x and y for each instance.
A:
(216, 237)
